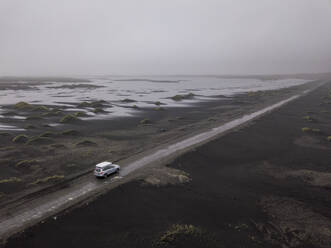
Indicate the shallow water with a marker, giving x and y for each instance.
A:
(143, 91)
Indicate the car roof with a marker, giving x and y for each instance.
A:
(103, 164)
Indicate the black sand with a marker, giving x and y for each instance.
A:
(264, 185)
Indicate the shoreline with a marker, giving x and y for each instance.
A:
(87, 189)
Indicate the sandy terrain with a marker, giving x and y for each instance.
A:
(246, 199)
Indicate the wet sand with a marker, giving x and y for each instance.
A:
(263, 185)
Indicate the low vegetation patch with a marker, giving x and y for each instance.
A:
(94, 104)
(180, 235)
(41, 108)
(182, 97)
(11, 180)
(159, 109)
(69, 118)
(128, 100)
(145, 121)
(329, 138)
(53, 113)
(307, 118)
(58, 146)
(80, 114)
(86, 143)
(48, 179)
(316, 130)
(98, 111)
(24, 106)
(306, 129)
(39, 141)
(47, 134)
(22, 138)
(71, 132)
(26, 163)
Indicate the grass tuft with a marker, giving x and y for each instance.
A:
(69, 118)
(307, 118)
(70, 132)
(86, 143)
(179, 235)
(11, 180)
(47, 134)
(22, 138)
(23, 106)
(128, 100)
(48, 179)
(39, 141)
(145, 121)
(26, 163)
(182, 97)
(306, 129)
(80, 114)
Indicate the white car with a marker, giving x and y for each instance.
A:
(105, 169)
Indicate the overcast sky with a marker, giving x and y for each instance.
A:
(72, 37)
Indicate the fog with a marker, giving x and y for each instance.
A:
(91, 37)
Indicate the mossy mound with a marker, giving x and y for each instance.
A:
(86, 143)
(11, 180)
(48, 179)
(128, 100)
(94, 104)
(185, 236)
(145, 121)
(98, 111)
(69, 119)
(23, 106)
(135, 107)
(22, 138)
(47, 135)
(53, 113)
(308, 118)
(58, 146)
(306, 129)
(182, 97)
(41, 108)
(26, 163)
(81, 114)
(39, 141)
(71, 132)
